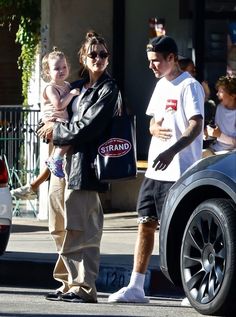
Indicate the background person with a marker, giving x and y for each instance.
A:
(177, 110)
(224, 130)
(186, 64)
(76, 225)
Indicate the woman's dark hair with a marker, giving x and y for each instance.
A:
(91, 38)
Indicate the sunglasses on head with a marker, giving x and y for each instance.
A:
(101, 54)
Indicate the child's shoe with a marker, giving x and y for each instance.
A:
(55, 167)
(24, 192)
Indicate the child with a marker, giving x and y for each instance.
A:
(224, 130)
(55, 98)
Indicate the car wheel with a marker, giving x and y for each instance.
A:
(208, 257)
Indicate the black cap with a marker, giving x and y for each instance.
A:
(162, 44)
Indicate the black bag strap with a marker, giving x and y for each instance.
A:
(121, 107)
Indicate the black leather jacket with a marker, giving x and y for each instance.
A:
(100, 105)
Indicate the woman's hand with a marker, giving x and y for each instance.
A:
(46, 131)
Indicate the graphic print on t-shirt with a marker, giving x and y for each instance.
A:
(171, 105)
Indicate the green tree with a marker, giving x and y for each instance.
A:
(27, 15)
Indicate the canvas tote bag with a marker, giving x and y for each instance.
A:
(116, 155)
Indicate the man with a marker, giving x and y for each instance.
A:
(177, 110)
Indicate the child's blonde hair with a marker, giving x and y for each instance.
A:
(55, 53)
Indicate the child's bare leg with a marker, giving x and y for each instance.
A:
(60, 151)
(42, 177)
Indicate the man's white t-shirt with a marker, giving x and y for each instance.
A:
(176, 102)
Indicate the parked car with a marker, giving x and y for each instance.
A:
(198, 235)
(5, 207)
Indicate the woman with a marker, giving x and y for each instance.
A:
(76, 226)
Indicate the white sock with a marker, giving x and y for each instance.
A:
(137, 280)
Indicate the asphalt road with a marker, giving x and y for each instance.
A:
(27, 302)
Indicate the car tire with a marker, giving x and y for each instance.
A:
(208, 257)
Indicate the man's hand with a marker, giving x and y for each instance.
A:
(46, 131)
(163, 160)
(158, 131)
(193, 130)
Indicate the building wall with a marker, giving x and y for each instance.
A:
(139, 80)
(66, 23)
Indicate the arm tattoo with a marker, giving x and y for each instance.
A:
(193, 130)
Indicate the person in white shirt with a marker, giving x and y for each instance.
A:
(224, 130)
(177, 113)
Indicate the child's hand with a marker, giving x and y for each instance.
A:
(213, 131)
(75, 91)
(205, 134)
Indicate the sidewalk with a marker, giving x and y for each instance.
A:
(31, 255)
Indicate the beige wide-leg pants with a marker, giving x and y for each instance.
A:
(75, 223)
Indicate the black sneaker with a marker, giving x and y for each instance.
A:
(55, 296)
(74, 298)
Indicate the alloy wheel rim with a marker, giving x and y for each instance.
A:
(204, 257)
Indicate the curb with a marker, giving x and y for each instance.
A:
(37, 273)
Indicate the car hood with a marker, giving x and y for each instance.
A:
(223, 163)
